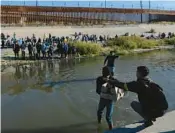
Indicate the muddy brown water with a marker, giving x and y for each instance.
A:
(31, 104)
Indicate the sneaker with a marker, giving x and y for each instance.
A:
(110, 126)
(148, 123)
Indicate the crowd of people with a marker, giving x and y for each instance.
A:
(45, 48)
(42, 49)
(48, 46)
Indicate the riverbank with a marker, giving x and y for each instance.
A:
(121, 45)
(7, 55)
(163, 124)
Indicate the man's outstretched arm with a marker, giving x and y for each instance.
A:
(128, 86)
(116, 56)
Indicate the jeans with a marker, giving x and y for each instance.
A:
(145, 114)
(109, 104)
(112, 70)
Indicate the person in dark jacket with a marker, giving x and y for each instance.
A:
(146, 105)
(30, 49)
(105, 102)
(38, 48)
(110, 59)
(74, 51)
(16, 50)
(3, 43)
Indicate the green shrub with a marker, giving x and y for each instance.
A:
(170, 41)
(120, 51)
(132, 42)
(87, 48)
(151, 31)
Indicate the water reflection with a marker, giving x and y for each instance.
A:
(34, 75)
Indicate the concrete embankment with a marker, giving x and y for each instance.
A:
(165, 124)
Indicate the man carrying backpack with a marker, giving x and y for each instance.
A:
(152, 102)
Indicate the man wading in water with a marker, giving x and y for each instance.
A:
(108, 96)
(110, 59)
(152, 102)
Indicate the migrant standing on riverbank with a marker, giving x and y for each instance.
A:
(43, 49)
(66, 48)
(23, 48)
(38, 47)
(34, 51)
(16, 49)
(110, 59)
(74, 51)
(152, 102)
(108, 96)
(50, 51)
(30, 49)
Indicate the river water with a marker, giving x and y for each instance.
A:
(33, 101)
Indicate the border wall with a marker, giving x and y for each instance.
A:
(31, 15)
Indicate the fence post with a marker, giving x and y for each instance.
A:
(141, 6)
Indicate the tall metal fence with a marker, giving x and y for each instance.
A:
(40, 15)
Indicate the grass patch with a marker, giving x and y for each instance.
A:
(132, 42)
(88, 48)
(170, 41)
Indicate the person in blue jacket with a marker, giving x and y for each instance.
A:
(43, 49)
(66, 48)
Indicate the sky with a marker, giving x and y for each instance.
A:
(163, 5)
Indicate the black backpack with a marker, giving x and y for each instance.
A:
(158, 98)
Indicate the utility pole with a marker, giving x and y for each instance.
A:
(52, 4)
(149, 11)
(37, 10)
(141, 6)
(105, 3)
(36, 3)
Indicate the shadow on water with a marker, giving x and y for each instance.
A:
(127, 130)
(69, 81)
